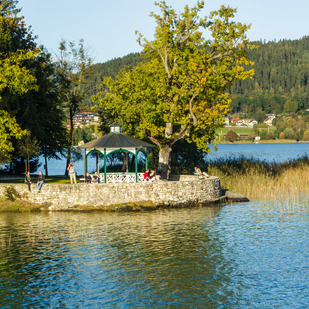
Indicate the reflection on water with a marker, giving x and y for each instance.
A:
(235, 256)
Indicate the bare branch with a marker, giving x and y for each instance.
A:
(155, 141)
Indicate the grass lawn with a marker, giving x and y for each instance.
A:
(242, 130)
(49, 179)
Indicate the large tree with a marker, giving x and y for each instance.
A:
(180, 91)
(14, 78)
(74, 65)
(29, 88)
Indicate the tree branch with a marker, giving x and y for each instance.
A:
(155, 141)
(191, 109)
(164, 59)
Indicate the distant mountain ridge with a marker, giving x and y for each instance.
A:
(280, 83)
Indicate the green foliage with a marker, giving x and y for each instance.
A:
(74, 65)
(27, 147)
(306, 136)
(8, 129)
(28, 86)
(292, 128)
(179, 92)
(263, 134)
(280, 82)
(185, 157)
(252, 135)
(11, 193)
(85, 134)
(270, 135)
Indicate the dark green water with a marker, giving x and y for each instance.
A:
(249, 255)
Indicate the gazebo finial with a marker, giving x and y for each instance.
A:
(116, 127)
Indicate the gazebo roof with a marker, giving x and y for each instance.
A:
(116, 140)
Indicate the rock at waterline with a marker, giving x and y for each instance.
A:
(235, 196)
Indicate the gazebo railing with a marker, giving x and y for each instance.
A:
(122, 178)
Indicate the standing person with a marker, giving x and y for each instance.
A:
(41, 180)
(28, 180)
(72, 172)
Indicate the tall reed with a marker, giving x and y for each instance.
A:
(261, 180)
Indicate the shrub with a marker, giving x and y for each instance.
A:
(282, 135)
(11, 194)
(231, 136)
(306, 136)
(252, 135)
(289, 133)
(270, 135)
(263, 134)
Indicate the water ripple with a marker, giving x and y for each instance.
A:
(237, 256)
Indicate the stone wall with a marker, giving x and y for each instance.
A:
(64, 196)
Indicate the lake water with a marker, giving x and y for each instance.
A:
(245, 255)
(270, 152)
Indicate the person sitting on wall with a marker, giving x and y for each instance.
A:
(96, 178)
(28, 180)
(146, 175)
(199, 173)
(41, 181)
(88, 178)
(153, 176)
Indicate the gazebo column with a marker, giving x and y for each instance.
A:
(136, 165)
(128, 157)
(97, 162)
(86, 163)
(105, 165)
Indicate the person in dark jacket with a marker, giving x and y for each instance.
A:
(41, 180)
(88, 178)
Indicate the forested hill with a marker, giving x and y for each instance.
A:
(280, 83)
(281, 78)
(109, 68)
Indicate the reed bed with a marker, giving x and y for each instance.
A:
(261, 180)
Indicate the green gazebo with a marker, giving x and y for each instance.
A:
(116, 141)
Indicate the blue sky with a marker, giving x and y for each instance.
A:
(108, 26)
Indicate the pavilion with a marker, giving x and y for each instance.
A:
(116, 141)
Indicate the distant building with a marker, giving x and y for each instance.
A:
(271, 116)
(268, 121)
(86, 118)
(226, 120)
(234, 120)
(249, 122)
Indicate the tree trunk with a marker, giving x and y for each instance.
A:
(46, 169)
(70, 141)
(164, 167)
(66, 173)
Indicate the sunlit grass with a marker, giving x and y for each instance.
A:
(49, 179)
(262, 180)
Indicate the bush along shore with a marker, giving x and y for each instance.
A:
(262, 180)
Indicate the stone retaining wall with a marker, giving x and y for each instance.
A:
(65, 196)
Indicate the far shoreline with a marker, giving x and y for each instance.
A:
(279, 141)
